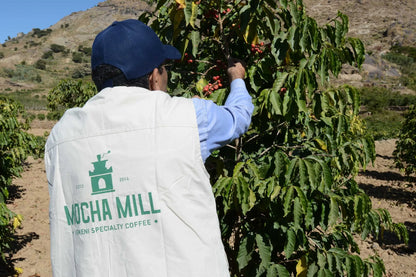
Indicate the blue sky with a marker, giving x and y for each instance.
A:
(23, 15)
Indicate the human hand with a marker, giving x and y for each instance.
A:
(235, 69)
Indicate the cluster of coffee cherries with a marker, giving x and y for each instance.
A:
(215, 14)
(257, 48)
(212, 14)
(216, 84)
(188, 58)
(220, 65)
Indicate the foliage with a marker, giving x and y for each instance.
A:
(380, 98)
(69, 93)
(40, 64)
(383, 124)
(286, 195)
(56, 48)
(47, 55)
(41, 116)
(405, 152)
(40, 33)
(1, 55)
(405, 57)
(383, 110)
(86, 50)
(28, 98)
(15, 146)
(81, 72)
(23, 72)
(77, 57)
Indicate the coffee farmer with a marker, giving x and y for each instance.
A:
(129, 193)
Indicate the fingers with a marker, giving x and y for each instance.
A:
(233, 61)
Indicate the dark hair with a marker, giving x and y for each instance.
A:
(106, 75)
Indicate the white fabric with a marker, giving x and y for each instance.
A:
(129, 193)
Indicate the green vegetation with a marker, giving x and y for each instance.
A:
(1, 55)
(287, 198)
(40, 33)
(67, 94)
(405, 152)
(47, 55)
(15, 146)
(82, 55)
(27, 99)
(77, 57)
(383, 110)
(405, 57)
(56, 48)
(40, 64)
(41, 116)
(23, 72)
(86, 50)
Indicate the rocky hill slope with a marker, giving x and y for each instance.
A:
(45, 56)
(72, 33)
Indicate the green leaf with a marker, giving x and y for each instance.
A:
(277, 270)
(303, 174)
(188, 11)
(311, 173)
(333, 211)
(275, 193)
(264, 251)
(275, 100)
(312, 270)
(201, 84)
(245, 251)
(251, 199)
(290, 243)
(196, 39)
(288, 197)
(291, 171)
(297, 212)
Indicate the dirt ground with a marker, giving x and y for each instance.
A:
(385, 185)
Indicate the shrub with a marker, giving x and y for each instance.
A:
(40, 64)
(68, 94)
(16, 145)
(47, 55)
(40, 33)
(23, 72)
(77, 57)
(56, 48)
(1, 55)
(41, 116)
(405, 151)
(81, 73)
(405, 57)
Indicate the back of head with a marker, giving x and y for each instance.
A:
(132, 48)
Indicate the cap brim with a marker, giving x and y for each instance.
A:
(171, 53)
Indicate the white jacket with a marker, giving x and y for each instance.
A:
(129, 193)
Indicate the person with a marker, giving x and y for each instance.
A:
(129, 193)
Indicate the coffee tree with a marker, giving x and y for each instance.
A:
(405, 152)
(15, 146)
(69, 93)
(287, 199)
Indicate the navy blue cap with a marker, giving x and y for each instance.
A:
(131, 46)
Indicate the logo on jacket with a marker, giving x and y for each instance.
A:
(101, 177)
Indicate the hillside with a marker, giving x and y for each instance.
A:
(380, 24)
(70, 33)
(45, 56)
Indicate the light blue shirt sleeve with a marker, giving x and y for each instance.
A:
(218, 125)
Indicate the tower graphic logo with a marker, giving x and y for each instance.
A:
(101, 178)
